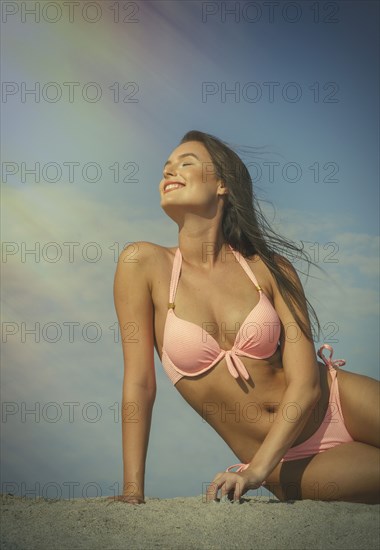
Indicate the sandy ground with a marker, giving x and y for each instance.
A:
(187, 523)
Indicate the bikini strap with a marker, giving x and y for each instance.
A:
(328, 360)
(243, 262)
(174, 278)
(177, 269)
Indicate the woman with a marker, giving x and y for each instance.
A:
(230, 322)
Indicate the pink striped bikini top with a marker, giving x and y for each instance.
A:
(188, 350)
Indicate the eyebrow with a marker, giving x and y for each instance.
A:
(181, 156)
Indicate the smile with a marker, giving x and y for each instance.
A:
(172, 186)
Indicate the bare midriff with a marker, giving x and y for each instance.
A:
(242, 412)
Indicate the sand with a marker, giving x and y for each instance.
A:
(187, 523)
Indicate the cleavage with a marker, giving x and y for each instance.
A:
(224, 331)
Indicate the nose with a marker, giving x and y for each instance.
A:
(169, 172)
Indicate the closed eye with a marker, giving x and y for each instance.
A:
(183, 164)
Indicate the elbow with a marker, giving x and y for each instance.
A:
(149, 390)
(314, 393)
(308, 394)
(142, 390)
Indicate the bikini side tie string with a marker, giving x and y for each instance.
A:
(328, 360)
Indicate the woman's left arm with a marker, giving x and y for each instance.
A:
(301, 395)
(302, 378)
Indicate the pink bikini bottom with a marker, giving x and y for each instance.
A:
(331, 432)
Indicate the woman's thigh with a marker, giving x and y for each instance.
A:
(349, 472)
(360, 402)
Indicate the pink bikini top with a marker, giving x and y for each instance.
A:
(188, 350)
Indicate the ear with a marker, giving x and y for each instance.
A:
(222, 189)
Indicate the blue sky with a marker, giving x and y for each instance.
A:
(328, 137)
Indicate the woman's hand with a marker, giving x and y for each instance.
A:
(234, 484)
(130, 499)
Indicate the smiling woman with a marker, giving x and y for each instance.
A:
(228, 317)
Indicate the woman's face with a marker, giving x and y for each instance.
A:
(189, 178)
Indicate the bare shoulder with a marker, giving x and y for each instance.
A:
(138, 250)
(288, 270)
(144, 258)
(265, 276)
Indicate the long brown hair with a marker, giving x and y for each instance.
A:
(247, 230)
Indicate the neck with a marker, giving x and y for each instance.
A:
(202, 244)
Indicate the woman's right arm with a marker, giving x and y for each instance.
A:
(134, 307)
